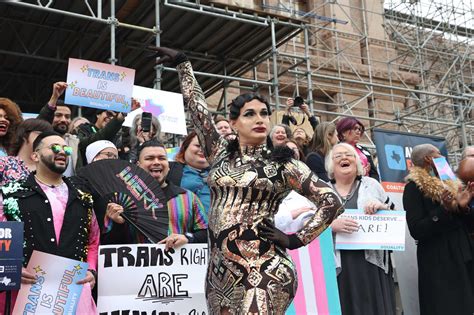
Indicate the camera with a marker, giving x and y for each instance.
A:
(298, 101)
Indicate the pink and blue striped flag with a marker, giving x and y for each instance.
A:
(317, 284)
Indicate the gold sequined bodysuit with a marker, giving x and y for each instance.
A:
(248, 274)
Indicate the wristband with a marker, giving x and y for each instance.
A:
(190, 237)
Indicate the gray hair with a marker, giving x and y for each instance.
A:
(464, 152)
(330, 162)
(420, 152)
(133, 131)
(287, 130)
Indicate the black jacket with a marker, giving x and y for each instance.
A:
(35, 211)
(316, 162)
(445, 255)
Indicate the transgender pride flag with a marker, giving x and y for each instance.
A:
(317, 284)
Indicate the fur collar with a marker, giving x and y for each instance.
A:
(431, 186)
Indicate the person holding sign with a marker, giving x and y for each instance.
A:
(249, 269)
(58, 217)
(365, 277)
(437, 213)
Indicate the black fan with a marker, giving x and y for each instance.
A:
(135, 190)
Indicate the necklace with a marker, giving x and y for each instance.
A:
(351, 193)
(49, 185)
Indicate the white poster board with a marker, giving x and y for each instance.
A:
(166, 106)
(384, 230)
(146, 278)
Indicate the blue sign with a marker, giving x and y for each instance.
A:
(394, 152)
(11, 255)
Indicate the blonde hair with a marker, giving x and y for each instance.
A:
(320, 142)
(330, 162)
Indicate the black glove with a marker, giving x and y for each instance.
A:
(168, 55)
(268, 230)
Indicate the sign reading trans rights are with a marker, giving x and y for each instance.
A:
(145, 278)
(382, 230)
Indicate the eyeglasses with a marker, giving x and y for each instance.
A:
(109, 155)
(339, 156)
(56, 148)
(357, 128)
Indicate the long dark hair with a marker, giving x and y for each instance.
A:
(23, 131)
(14, 117)
(237, 103)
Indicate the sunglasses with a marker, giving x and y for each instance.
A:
(56, 148)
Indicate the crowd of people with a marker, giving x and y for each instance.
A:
(248, 190)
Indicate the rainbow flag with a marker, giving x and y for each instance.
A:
(317, 284)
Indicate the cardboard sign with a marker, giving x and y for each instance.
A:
(99, 85)
(55, 290)
(146, 278)
(11, 255)
(383, 230)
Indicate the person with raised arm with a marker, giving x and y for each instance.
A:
(249, 269)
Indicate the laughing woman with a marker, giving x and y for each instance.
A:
(364, 277)
(249, 269)
(10, 118)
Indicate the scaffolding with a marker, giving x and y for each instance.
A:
(403, 65)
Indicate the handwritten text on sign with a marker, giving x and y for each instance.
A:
(145, 277)
(382, 230)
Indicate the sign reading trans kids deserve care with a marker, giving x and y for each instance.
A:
(146, 278)
(55, 290)
(382, 230)
(99, 85)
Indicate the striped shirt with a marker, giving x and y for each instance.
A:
(186, 213)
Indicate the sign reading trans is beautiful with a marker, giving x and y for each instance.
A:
(99, 85)
(382, 230)
(55, 290)
(146, 278)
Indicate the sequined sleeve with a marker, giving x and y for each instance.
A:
(302, 180)
(201, 118)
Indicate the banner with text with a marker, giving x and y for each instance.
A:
(394, 155)
(145, 278)
(11, 255)
(99, 85)
(383, 230)
(55, 290)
